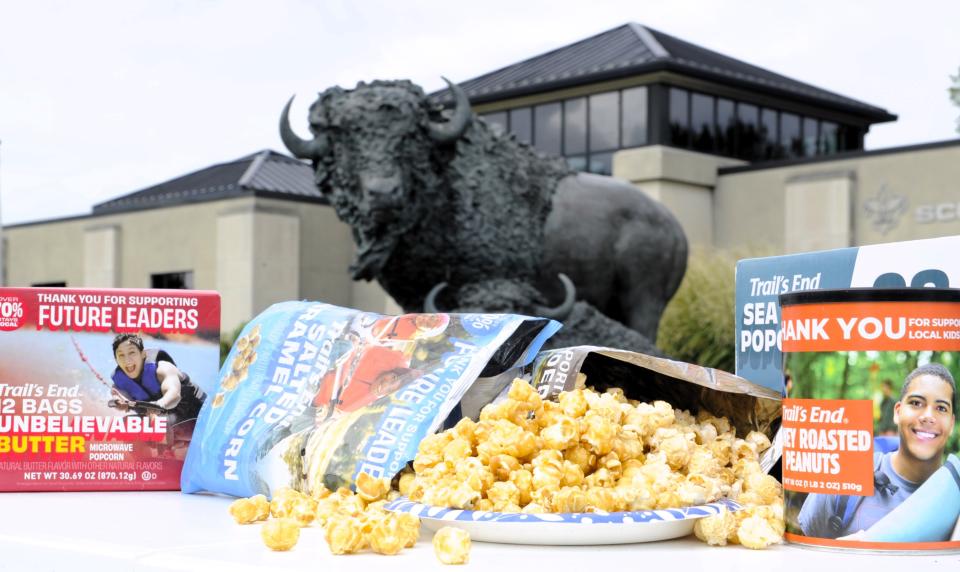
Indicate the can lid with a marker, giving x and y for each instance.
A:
(871, 295)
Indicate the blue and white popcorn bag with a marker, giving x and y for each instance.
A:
(312, 394)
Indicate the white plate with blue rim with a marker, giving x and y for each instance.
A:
(565, 529)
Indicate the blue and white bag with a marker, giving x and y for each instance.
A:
(312, 394)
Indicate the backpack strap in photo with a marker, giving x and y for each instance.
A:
(843, 509)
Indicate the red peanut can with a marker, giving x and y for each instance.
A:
(870, 436)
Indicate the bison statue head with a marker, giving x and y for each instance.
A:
(372, 154)
(430, 195)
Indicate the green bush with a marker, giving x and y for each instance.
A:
(698, 323)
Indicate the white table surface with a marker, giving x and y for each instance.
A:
(140, 531)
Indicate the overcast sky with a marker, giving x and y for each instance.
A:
(98, 98)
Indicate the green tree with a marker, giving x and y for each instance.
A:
(954, 91)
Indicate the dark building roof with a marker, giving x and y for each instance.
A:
(632, 49)
(265, 173)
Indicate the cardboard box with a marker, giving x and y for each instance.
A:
(919, 263)
(78, 413)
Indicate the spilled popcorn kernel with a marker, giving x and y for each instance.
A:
(452, 545)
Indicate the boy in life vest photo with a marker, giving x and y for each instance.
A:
(924, 417)
(147, 381)
(377, 361)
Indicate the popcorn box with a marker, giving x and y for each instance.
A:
(759, 282)
(100, 389)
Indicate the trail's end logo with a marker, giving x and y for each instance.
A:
(885, 209)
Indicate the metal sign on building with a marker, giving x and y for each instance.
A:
(885, 209)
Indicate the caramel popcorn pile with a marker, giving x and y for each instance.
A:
(351, 522)
(246, 354)
(591, 452)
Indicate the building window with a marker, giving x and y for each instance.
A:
(547, 128)
(748, 131)
(726, 128)
(577, 162)
(711, 124)
(768, 134)
(172, 280)
(49, 284)
(790, 140)
(604, 121)
(702, 123)
(679, 117)
(584, 130)
(809, 137)
(849, 138)
(521, 124)
(633, 116)
(601, 163)
(575, 126)
(827, 142)
(498, 119)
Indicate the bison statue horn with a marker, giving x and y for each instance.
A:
(561, 312)
(301, 148)
(452, 130)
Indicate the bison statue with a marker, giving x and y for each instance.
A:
(437, 196)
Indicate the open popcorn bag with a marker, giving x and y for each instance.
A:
(606, 436)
